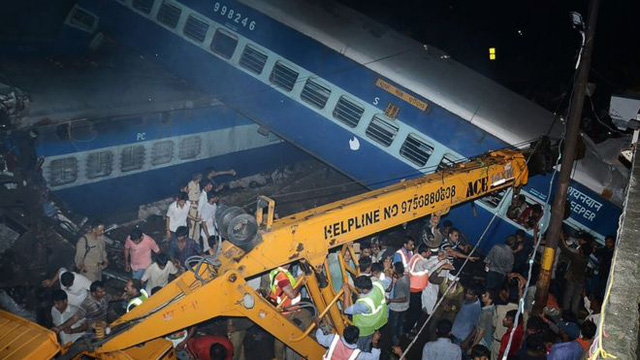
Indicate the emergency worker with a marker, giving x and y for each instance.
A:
(284, 292)
(282, 287)
(418, 280)
(369, 312)
(135, 293)
(405, 253)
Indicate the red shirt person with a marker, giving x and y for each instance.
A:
(210, 347)
(508, 322)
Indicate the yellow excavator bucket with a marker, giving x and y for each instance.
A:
(24, 339)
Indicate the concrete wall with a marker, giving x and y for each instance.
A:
(621, 312)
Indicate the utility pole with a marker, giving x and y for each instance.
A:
(568, 156)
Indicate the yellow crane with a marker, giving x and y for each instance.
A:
(260, 244)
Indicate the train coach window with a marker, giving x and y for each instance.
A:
(169, 14)
(189, 148)
(493, 200)
(381, 130)
(315, 94)
(63, 171)
(195, 28)
(224, 43)
(283, 76)
(82, 19)
(447, 162)
(162, 152)
(416, 150)
(143, 5)
(99, 164)
(132, 158)
(348, 111)
(253, 60)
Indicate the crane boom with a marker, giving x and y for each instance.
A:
(211, 291)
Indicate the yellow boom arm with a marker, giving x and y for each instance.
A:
(308, 235)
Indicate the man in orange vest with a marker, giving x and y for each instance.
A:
(418, 279)
(345, 347)
(405, 253)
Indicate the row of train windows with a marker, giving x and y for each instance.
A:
(100, 163)
(314, 92)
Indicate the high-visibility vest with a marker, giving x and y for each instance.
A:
(404, 257)
(339, 351)
(377, 283)
(418, 280)
(378, 315)
(137, 300)
(278, 294)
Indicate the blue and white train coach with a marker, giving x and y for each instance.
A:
(374, 104)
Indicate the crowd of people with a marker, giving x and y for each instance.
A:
(81, 304)
(475, 314)
(432, 293)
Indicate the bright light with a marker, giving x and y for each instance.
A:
(492, 53)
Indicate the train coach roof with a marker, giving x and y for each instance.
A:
(119, 84)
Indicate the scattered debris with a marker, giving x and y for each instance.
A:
(9, 304)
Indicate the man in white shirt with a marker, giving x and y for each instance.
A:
(177, 215)
(207, 213)
(75, 285)
(158, 273)
(62, 311)
(207, 186)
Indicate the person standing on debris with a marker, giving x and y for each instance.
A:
(75, 285)
(207, 187)
(177, 215)
(193, 194)
(62, 311)
(93, 310)
(137, 252)
(91, 252)
(158, 273)
(207, 213)
(183, 247)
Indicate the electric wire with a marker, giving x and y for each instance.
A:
(442, 297)
(531, 261)
(593, 110)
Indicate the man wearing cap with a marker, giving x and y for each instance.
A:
(569, 348)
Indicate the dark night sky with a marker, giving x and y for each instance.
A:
(536, 45)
